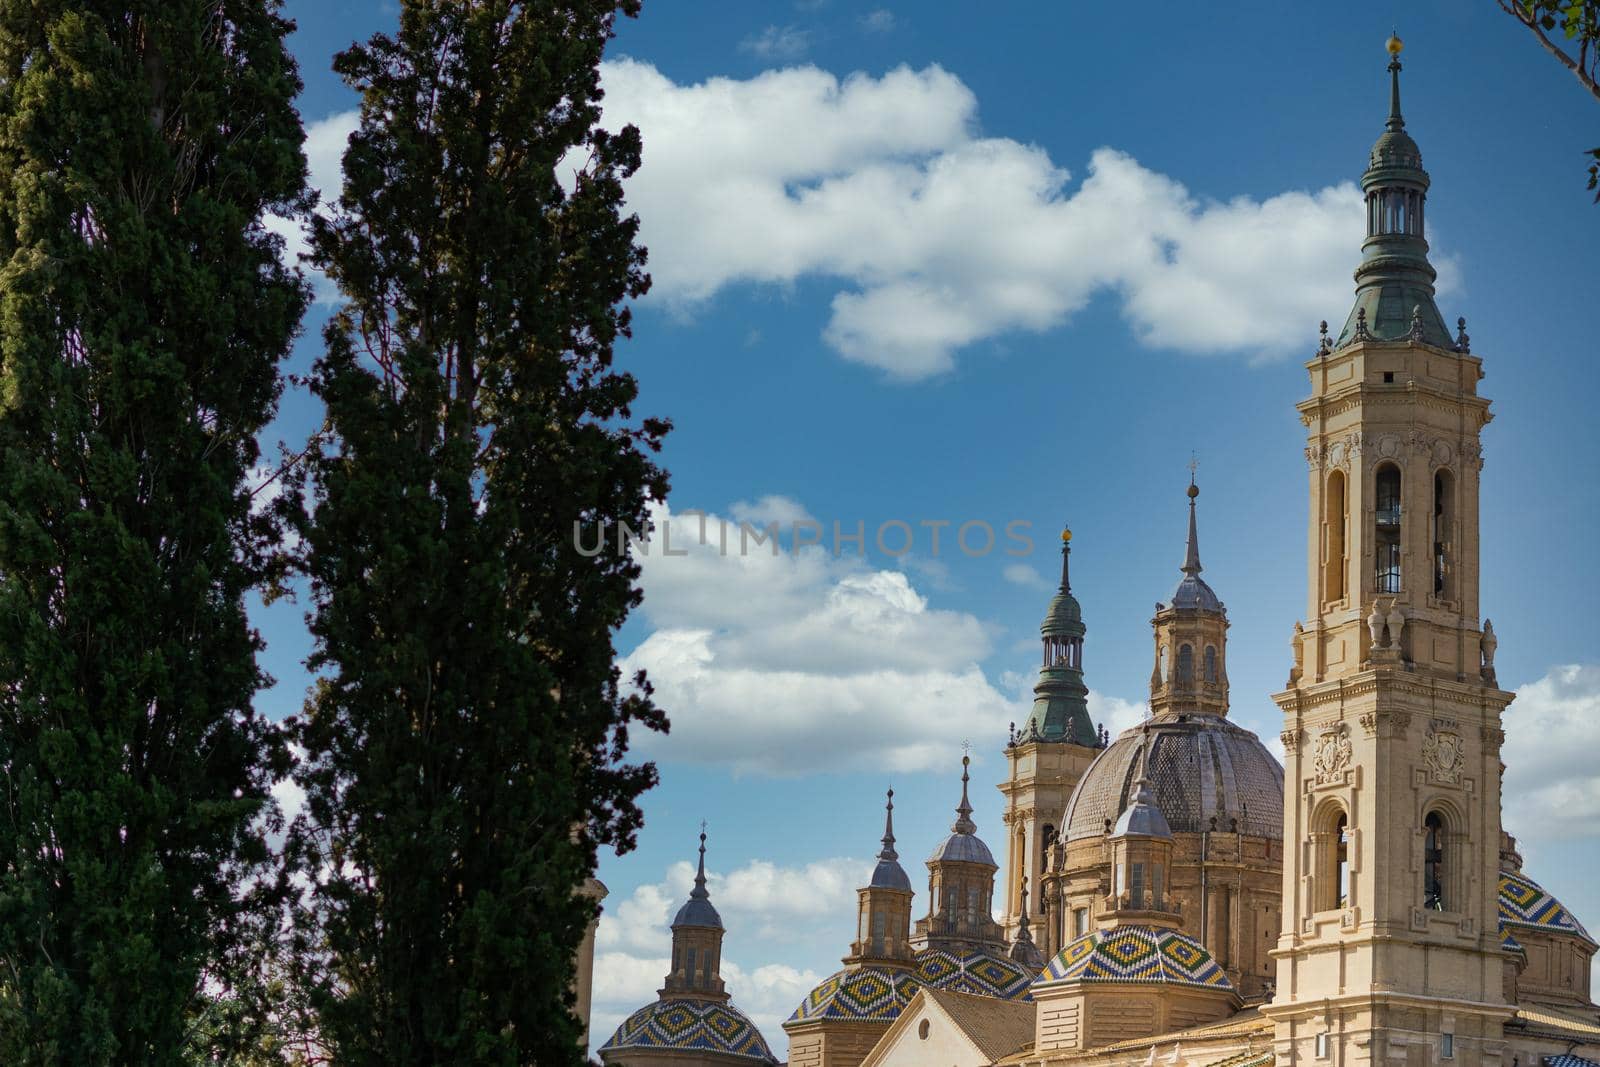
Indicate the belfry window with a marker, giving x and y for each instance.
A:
(1433, 862)
(1341, 861)
(689, 969)
(1211, 663)
(1386, 532)
(1442, 493)
(1334, 520)
(1136, 885)
(1186, 663)
(1047, 838)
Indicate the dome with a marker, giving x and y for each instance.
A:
(1064, 617)
(691, 1026)
(1135, 954)
(963, 848)
(1199, 766)
(888, 874)
(1142, 817)
(874, 993)
(698, 912)
(1396, 148)
(1524, 904)
(1193, 594)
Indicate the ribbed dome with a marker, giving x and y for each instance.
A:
(1395, 148)
(1064, 618)
(1193, 594)
(1199, 766)
(963, 848)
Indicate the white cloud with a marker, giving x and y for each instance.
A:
(1552, 782)
(777, 42)
(786, 664)
(760, 909)
(938, 238)
(791, 663)
(326, 140)
(769, 509)
(881, 20)
(1024, 574)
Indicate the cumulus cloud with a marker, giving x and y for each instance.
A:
(793, 662)
(1553, 789)
(758, 903)
(790, 663)
(937, 237)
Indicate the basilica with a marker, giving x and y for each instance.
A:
(1174, 895)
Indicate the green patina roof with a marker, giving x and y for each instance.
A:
(1394, 283)
(1060, 699)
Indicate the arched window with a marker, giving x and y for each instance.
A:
(1443, 491)
(1334, 518)
(1341, 861)
(1047, 838)
(1433, 862)
(880, 925)
(1211, 663)
(1330, 842)
(1386, 534)
(1136, 885)
(689, 970)
(1185, 663)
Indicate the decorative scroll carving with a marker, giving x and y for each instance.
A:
(1333, 752)
(1441, 751)
(1291, 741)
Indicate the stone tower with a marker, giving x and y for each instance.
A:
(1049, 755)
(960, 888)
(1390, 952)
(696, 944)
(1191, 641)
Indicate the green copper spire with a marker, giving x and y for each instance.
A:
(1060, 699)
(1394, 283)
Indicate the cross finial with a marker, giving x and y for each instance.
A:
(702, 826)
(1194, 465)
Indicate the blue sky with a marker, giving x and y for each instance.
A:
(926, 262)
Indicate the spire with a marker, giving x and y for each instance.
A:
(1394, 283)
(1060, 709)
(1023, 950)
(699, 891)
(964, 823)
(1396, 121)
(1066, 556)
(888, 852)
(698, 910)
(1191, 559)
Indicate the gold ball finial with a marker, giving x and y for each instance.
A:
(1394, 44)
(1066, 535)
(1193, 490)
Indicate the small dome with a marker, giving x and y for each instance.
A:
(889, 875)
(1193, 594)
(691, 1026)
(963, 848)
(1142, 817)
(980, 973)
(1395, 148)
(1064, 618)
(1135, 954)
(1199, 766)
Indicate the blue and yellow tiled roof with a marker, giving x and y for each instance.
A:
(872, 993)
(1524, 903)
(1136, 954)
(692, 1025)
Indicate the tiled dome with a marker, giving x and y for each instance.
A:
(873, 993)
(692, 1025)
(1525, 904)
(1135, 954)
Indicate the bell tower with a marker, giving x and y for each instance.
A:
(1046, 758)
(1390, 952)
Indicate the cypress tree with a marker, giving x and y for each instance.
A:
(465, 750)
(143, 312)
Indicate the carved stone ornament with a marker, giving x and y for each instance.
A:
(1332, 756)
(1291, 740)
(1369, 723)
(1441, 751)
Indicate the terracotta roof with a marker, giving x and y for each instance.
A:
(997, 1027)
(1249, 1021)
(1554, 1020)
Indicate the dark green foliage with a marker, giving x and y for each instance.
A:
(1578, 23)
(143, 313)
(464, 753)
